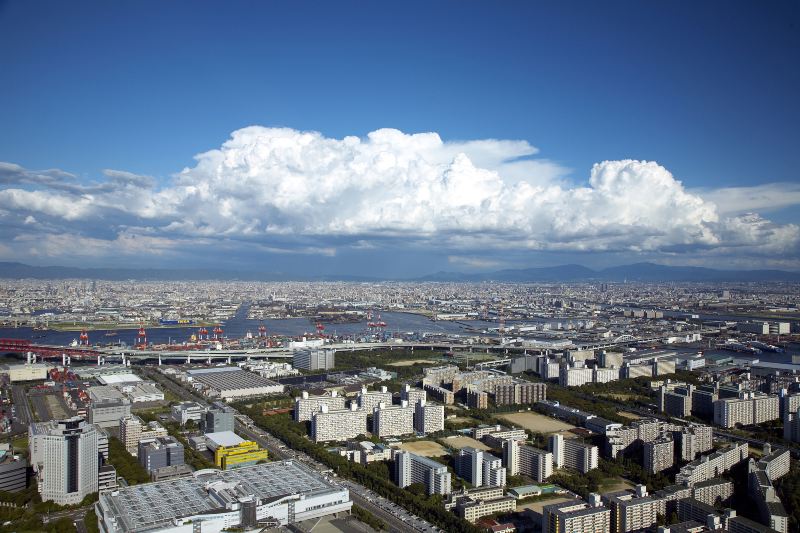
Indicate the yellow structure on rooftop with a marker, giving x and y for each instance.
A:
(243, 454)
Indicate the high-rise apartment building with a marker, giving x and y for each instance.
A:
(305, 405)
(577, 516)
(393, 420)
(428, 418)
(411, 468)
(65, 456)
(659, 454)
(522, 459)
(749, 408)
(369, 400)
(338, 425)
(519, 393)
(480, 468)
(477, 399)
(633, 510)
(412, 395)
(573, 453)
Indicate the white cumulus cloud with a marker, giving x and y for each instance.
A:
(280, 189)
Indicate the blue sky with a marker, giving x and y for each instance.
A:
(706, 90)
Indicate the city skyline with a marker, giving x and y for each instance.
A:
(382, 143)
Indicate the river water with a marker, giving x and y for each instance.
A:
(239, 325)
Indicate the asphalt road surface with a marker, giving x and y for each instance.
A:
(396, 518)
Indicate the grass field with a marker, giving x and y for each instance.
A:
(464, 442)
(425, 448)
(614, 485)
(462, 420)
(536, 422)
(536, 506)
(629, 415)
(411, 362)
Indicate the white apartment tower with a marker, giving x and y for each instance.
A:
(411, 468)
(428, 418)
(338, 425)
(394, 420)
(369, 400)
(519, 458)
(572, 453)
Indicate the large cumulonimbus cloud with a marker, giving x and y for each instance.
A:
(288, 191)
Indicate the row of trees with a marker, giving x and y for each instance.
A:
(368, 518)
(127, 466)
(294, 436)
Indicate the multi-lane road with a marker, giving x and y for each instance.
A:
(396, 518)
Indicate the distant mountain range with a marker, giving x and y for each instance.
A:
(23, 271)
(635, 272)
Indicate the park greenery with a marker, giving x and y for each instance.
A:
(127, 466)
(294, 436)
(28, 511)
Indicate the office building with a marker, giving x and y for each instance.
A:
(428, 418)
(107, 414)
(573, 453)
(659, 454)
(338, 425)
(185, 411)
(369, 400)
(284, 491)
(13, 470)
(218, 418)
(411, 468)
(241, 454)
(577, 516)
(393, 420)
(106, 478)
(26, 371)
(160, 452)
(522, 459)
(314, 359)
(64, 454)
(133, 430)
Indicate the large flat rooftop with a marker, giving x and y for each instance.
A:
(150, 505)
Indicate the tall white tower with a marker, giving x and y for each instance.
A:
(64, 455)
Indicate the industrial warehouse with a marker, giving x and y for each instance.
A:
(212, 501)
(231, 382)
